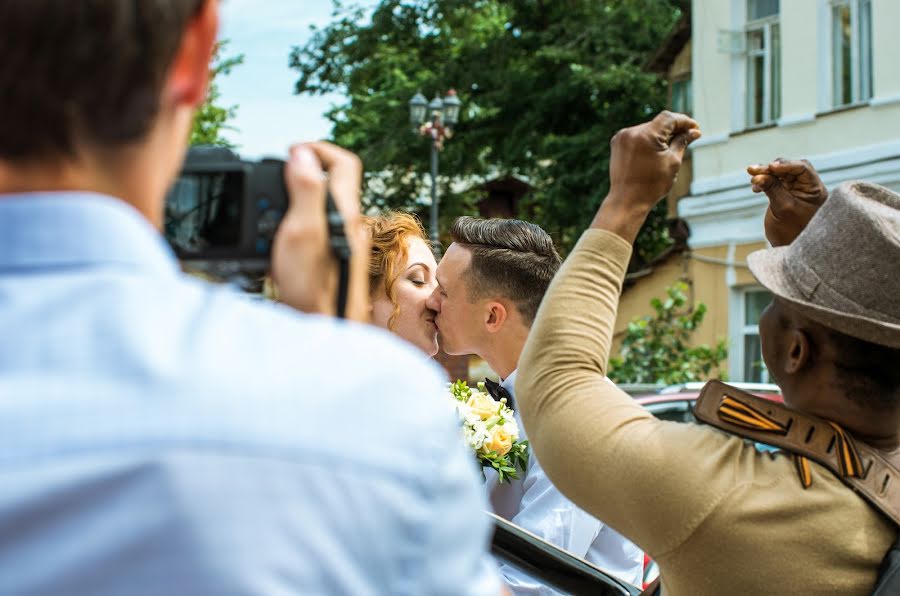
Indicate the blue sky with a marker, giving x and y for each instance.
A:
(270, 117)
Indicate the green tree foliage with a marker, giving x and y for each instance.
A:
(655, 348)
(544, 85)
(212, 119)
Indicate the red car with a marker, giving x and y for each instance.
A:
(676, 403)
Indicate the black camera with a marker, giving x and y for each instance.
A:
(222, 212)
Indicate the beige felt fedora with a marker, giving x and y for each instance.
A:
(843, 271)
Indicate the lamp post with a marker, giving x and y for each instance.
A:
(434, 120)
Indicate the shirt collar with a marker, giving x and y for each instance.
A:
(510, 382)
(70, 229)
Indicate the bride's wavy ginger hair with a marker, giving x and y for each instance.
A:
(390, 235)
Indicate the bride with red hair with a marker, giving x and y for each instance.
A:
(401, 278)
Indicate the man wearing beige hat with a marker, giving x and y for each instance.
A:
(718, 515)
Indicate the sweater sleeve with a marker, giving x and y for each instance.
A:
(653, 481)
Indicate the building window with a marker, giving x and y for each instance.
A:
(851, 42)
(763, 43)
(681, 96)
(747, 346)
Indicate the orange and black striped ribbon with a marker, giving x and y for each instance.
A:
(741, 414)
(803, 470)
(848, 457)
(735, 412)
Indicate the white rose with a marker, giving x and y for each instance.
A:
(483, 405)
(512, 428)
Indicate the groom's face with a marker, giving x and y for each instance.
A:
(458, 320)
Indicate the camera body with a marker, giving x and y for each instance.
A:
(222, 212)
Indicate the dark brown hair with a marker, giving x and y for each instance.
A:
(867, 373)
(83, 72)
(511, 258)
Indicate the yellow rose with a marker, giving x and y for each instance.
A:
(500, 441)
(482, 405)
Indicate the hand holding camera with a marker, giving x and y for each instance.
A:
(304, 266)
(227, 216)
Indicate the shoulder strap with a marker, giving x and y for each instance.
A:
(857, 465)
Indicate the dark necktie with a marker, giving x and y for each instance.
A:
(498, 391)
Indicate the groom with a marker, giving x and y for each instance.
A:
(490, 283)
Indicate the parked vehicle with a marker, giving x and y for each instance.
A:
(551, 565)
(676, 402)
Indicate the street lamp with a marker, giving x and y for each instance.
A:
(434, 120)
(418, 105)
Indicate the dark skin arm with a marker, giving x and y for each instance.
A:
(795, 194)
(645, 161)
(643, 165)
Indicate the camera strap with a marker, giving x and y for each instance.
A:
(340, 247)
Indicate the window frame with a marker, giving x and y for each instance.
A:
(765, 25)
(739, 330)
(683, 79)
(861, 74)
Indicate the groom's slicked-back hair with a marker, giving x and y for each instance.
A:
(512, 259)
(83, 72)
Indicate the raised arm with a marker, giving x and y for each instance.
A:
(795, 194)
(643, 166)
(601, 449)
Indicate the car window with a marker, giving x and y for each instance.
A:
(677, 411)
(550, 565)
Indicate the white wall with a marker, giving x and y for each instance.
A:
(859, 142)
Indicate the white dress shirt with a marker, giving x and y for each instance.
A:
(533, 503)
(163, 435)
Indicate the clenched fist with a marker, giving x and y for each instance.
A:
(643, 165)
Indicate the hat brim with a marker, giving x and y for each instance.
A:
(768, 266)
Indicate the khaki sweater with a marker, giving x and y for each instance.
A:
(719, 517)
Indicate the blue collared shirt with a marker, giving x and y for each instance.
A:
(161, 435)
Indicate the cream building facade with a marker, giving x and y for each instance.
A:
(813, 79)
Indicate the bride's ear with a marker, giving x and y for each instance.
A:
(495, 316)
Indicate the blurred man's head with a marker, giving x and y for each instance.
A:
(98, 94)
(491, 282)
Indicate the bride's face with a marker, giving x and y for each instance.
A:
(416, 282)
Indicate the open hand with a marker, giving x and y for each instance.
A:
(795, 194)
(303, 266)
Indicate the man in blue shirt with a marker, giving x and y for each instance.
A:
(159, 435)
